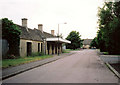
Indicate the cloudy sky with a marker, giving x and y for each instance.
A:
(80, 15)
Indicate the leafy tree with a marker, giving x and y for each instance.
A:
(11, 33)
(108, 37)
(100, 41)
(94, 43)
(75, 39)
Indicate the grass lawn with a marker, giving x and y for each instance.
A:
(105, 53)
(15, 62)
(68, 50)
(73, 50)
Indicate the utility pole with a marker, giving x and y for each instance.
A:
(58, 39)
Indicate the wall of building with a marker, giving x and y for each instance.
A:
(23, 46)
(86, 46)
(4, 47)
(50, 51)
(53, 45)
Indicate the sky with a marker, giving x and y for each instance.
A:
(80, 15)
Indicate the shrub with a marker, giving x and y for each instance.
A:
(37, 54)
(11, 57)
(65, 51)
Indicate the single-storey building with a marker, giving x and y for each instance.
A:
(36, 40)
(86, 43)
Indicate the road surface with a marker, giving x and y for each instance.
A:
(81, 67)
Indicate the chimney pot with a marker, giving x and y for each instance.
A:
(52, 32)
(24, 22)
(40, 27)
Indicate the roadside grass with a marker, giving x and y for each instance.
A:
(68, 50)
(75, 50)
(72, 49)
(15, 62)
(105, 53)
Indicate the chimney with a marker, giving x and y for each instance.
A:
(24, 22)
(40, 27)
(52, 32)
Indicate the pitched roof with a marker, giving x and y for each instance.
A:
(87, 41)
(33, 34)
(47, 35)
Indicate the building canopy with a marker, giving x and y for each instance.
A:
(58, 40)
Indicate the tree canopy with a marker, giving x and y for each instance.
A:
(75, 39)
(108, 35)
(11, 33)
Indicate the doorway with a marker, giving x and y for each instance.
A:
(52, 49)
(38, 47)
(29, 48)
(48, 48)
(41, 47)
(55, 49)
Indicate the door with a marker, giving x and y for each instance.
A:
(55, 49)
(52, 49)
(48, 48)
(41, 47)
(29, 48)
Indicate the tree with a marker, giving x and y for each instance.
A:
(75, 39)
(108, 36)
(11, 33)
(100, 41)
(94, 43)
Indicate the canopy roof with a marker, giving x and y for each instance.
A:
(58, 39)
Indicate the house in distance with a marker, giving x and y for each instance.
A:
(86, 43)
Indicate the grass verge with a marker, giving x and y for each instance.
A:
(105, 53)
(15, 62)
(68, 50)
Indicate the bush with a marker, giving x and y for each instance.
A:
(65, 51)
(11, 57)
(37, 54)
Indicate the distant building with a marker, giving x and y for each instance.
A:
(86, 43)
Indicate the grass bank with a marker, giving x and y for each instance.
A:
(15, 62)
(68, 50)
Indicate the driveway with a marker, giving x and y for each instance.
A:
(82, 67)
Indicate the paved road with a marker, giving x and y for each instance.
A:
(82, 67)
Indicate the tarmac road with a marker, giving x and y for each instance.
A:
(81, 67)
